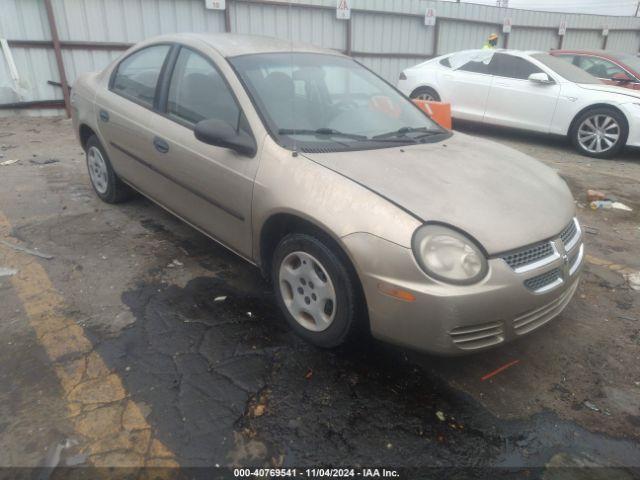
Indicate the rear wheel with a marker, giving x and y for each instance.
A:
(600, 132)
(104, 180)
(425, 93)
(315, 290)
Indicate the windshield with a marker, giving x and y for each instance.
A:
(565, 69)
(318, 102)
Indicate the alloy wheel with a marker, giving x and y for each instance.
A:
(598, 133)
(307, 291)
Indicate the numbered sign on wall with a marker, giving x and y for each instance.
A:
(215, 4)
(343, 9)
(506, 25)
(563, 27)
(430, 17)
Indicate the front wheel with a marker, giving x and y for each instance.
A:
(600, 132)
(315, 290)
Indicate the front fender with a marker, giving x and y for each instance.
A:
(298, 186)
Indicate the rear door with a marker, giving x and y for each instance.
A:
(467, 85)
(124, 111)
(210, 187)
(514, 100)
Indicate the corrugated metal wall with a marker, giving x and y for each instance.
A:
(386, 35)
(533, 38)
(293, 23)
(456, 36)
(622, 42)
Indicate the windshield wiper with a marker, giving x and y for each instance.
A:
(402, 132)
(328, 132)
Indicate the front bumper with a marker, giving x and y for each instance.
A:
(453, 320)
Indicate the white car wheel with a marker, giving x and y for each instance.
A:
(600, 132)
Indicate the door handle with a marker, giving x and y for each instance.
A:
(161, 145)
(104, 115)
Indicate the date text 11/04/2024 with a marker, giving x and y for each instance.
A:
(316, 472)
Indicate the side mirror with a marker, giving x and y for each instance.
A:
(221, 134)
(621, 77)
(541, 78)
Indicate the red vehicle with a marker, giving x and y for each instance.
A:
(621, 69)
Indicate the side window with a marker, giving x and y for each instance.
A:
(475, 67)
(599, 67)
(445, 62)
(137, 75)
(475, 61)
(198, 92)
(511, 67)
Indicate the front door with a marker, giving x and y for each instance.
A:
(514, 100)
(468, 85)
(210, 187)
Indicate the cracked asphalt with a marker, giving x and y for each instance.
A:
(143, 343)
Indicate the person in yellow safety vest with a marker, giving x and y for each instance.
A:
(492, 41)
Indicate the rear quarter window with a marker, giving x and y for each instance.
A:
(137, 75)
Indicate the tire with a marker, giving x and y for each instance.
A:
(294, 290)
(105, 182)
(425, 93)
(615, 123)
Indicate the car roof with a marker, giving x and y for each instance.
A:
(517, 53)
(233, 44)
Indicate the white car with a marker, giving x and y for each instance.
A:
(531, 91)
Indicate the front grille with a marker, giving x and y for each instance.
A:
(535, 318)
(569, 232)
(540, 282)
(478, 336)
(573, 255)
(529, 255)
(543, 253)
(571, 235)
(575, 259)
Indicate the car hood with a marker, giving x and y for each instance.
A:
(627, 92)
(499, 196)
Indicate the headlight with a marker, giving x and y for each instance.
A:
(448, 255)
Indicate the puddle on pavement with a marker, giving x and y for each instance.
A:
(203, 367)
